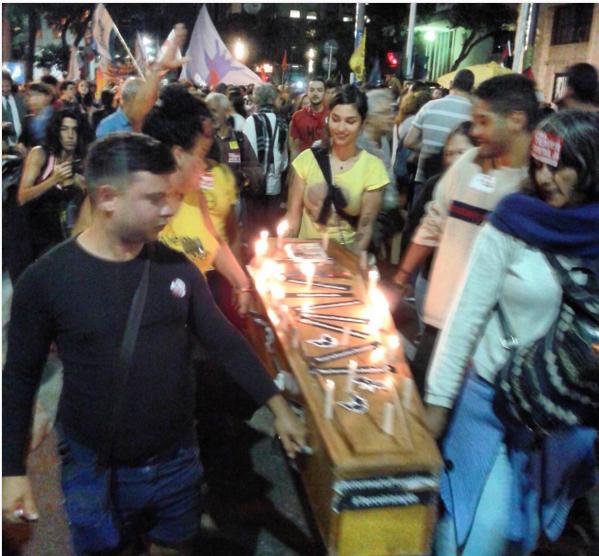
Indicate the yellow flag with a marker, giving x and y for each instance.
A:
(357, 60)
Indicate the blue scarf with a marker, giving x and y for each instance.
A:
(570, 231)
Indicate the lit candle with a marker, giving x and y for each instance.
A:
(325, 240)
(345, 337)
(308, 269)
(260, 250)
(329, 398)
(407, 391)
(388, 418)
(351, 375)
(393, 347)
(373, 279)
(282, 230)
(284, 317)
(295, 338)
(277, 294)
(377, 356)
(363, 260)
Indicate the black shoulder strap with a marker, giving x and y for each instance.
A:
(334, 195)
(126, 356)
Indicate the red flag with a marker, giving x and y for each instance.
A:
(528, 73)
(263, 75)
(284, 61)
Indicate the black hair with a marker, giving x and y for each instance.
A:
(63, 86)
(113, 158)
(349, 94)
(239, 105)
(8, 76)
(41, 88)
(465, 128)
(177, 118)
(582, 79)
(579, 131)
(329, 84)
(52, 143)
(511, 93)
(107, 98)
(49, 80)
(463, 80)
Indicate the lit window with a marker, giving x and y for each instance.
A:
(296, 14)
(311, 15)
(347, 19)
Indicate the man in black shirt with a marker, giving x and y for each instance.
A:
(79, 295)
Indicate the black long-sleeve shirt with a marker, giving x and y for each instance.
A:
(82, 302)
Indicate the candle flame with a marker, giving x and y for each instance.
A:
(282, 228)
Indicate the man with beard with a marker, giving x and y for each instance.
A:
(504, 113)
(308, 123)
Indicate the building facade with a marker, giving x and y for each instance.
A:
(566, 34)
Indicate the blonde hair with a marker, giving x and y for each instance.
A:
(410, 104)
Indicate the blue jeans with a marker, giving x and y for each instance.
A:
(159, 499)
(488, 534)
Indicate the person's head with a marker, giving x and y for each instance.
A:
(128, 180)
(316, 92)
(457, 143)
(83, 87)
(265, 96)
(582, 83)
(219, 107)
(505, 111)
(563, 160)
(7, 84)
(67, 132)
(107, 98)
(410, 103)
(52, 82)
(304, 102)
(347, 114)
(68, 90)
(463, 81)
(380, 112)
(129, 90)
(39, 96)
(331, 89)
(221, 88)
(184, 124)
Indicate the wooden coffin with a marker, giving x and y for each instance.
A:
(373, 493)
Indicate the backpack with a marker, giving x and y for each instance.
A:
(553, 383)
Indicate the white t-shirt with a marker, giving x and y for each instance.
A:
(461, 200)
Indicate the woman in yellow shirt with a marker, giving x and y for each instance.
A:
(348, 208)
(204, 224)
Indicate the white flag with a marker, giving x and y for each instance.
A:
(102, 28)
(140, 53)
(211, 62)
(74, 73)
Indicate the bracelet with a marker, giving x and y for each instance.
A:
(247, 289)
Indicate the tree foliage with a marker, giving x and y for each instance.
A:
(481, 21)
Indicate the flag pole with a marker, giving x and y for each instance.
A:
(118, 34)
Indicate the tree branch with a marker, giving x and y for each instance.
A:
(467, 47)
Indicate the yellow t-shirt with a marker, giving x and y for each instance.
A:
(367, 174)
(220, 190)
(186, 232)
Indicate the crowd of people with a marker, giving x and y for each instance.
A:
(129, 218)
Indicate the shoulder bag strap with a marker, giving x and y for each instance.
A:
(126, 356)
(334, 195)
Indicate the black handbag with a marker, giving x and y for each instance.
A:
(553, 383)
(101, 531)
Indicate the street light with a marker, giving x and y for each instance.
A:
(311, 54)
(240, 50)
